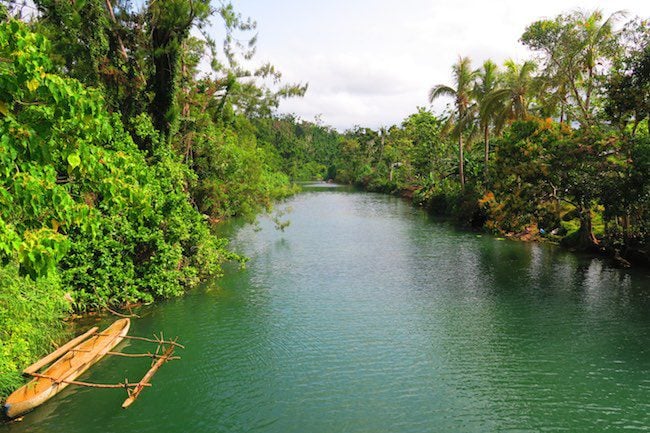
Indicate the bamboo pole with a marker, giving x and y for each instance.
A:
(92, 385)
(58, 352)
(147, 377)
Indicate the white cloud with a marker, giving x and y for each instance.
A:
(371, 62)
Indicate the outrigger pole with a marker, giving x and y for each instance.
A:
(126, 384)
(156, 340)
(133, 395)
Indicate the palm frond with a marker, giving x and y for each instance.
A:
(441, 90)
(527, 69)
(448, 126)
(464, 75)
(494, 101)
(487, 79)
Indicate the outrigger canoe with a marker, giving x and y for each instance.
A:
(56, 377)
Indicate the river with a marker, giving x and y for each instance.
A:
(366, 315)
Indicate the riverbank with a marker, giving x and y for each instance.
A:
(467, 213)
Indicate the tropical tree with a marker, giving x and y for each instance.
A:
(464, 79)
(486, 83)
(628, 83)
(510, 101)
(427, 149)
(576, 50)
(170, 23)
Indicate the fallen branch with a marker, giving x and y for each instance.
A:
(141, 355)
(125, 316)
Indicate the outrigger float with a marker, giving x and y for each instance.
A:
(75, 357)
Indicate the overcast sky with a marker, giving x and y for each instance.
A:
(372, 62)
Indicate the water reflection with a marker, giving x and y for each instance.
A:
(365, 315)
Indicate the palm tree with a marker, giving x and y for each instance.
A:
(552, 96)
(575, 46)
(598, 42)
(486, 83)
(510, 100)
(464, 79)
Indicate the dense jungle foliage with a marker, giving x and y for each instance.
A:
(117, 157)
(122, 147)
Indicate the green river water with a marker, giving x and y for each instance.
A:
(365, 315)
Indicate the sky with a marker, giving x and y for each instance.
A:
(372, 62)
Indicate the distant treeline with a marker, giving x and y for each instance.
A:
(557, 147)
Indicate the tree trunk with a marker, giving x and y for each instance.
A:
(586, 241)
(589, 90)
(186, 90)
(167, 37)
(556, 201)
(486, 137)
(461, 162)
(626, 228)
(165, 60)
(580, 102)
(109, 6)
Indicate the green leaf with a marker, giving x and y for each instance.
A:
(74, 160)
(33, 84)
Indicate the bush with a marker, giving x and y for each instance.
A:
(80, 200)
(30, 314)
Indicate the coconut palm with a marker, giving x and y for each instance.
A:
(486, 82)
(598, 42)
(464, 78)
(510, 100)
(552, 96)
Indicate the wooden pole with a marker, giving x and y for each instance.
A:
(172, 343)
(147, 377)
(91, 385)
(58, 352)
(140, 355)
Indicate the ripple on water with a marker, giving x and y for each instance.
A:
(365, 316)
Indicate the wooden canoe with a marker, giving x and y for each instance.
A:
(66, 369)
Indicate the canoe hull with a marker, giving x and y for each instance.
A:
(12, 410)
(19, 402)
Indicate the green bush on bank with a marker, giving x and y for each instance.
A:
(30, 314)
(74, 182)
